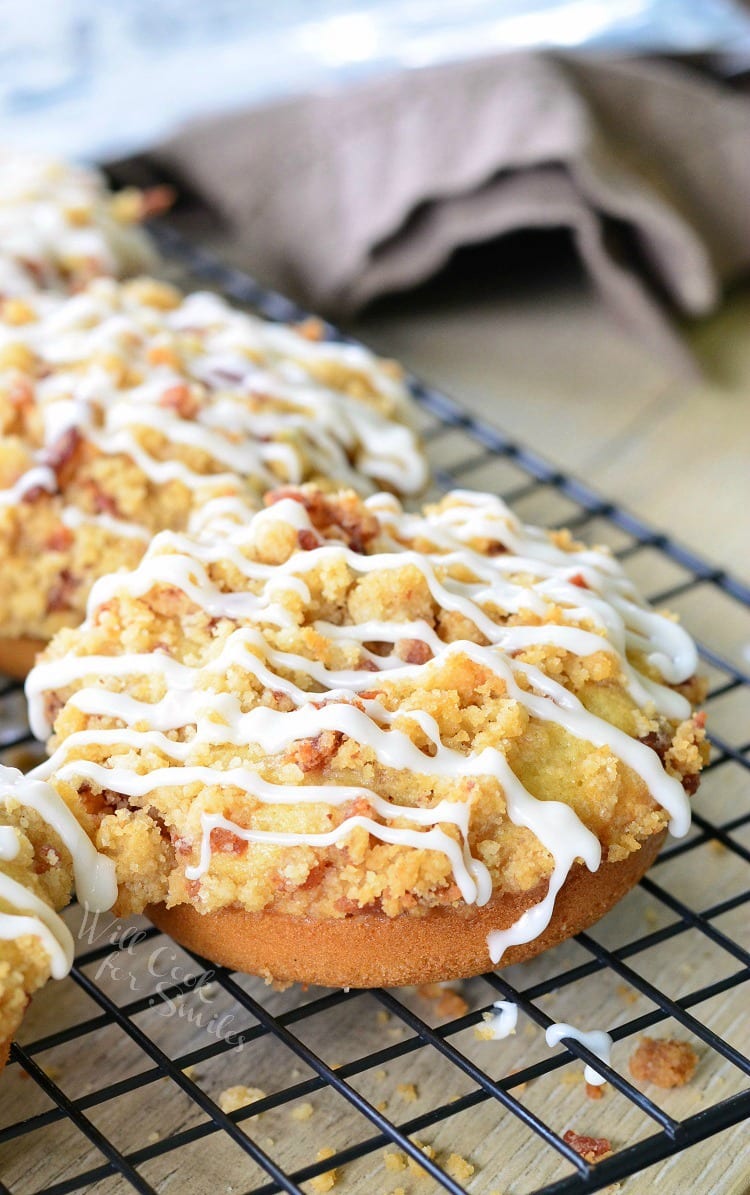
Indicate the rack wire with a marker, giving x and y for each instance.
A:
(166, 1032)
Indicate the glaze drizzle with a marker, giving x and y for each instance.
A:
(602, 610)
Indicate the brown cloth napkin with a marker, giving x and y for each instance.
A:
(340, 197)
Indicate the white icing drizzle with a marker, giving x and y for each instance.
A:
(250, 398)
(503, 1022)
(596, 1040)
(55, 216)
(530, 574)
(94, 873)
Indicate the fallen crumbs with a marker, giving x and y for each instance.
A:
(663, 1061)
(234, 1098)
(591, 1149)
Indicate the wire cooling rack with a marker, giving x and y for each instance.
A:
(125, 1068)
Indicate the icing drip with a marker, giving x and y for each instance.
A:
(596, 1040)
(529, 573)
(94, 873)
(503, 1022)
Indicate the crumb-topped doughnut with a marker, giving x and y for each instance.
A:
(60, 226)
(345, 744)
(44, 852)
(126, 408)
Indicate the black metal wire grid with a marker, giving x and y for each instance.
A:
(465, 450)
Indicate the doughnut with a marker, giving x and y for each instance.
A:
(44, 853)
(336, 742)
(60, 226)
(125, 409)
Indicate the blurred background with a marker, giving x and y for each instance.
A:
(100, 78)
(540, 206)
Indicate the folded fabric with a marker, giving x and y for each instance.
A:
(341, 197)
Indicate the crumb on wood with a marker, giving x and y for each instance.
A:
(459, 1168)
(485, 1031)
(152, 1138)
(591, 1149)
(382, 1017)
(428, 1152)
(571, 1078)
(663, 1061)
(448, 1002)
(234, 1098)
(408, 1092)
(381, 1106)
(328, 1179)
(518, 1088)
(395, 1160)
(627, 994)
(595, 1091)
(381, 1075)
(302, 1111)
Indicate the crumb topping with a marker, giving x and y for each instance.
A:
(244, 720)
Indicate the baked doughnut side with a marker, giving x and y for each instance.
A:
(372, 950)
(335, 708)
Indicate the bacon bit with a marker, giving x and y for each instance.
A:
(659, 741)
(344, 514)
(98, 803)
(311, 329)
(663, 1061)
(230, 376)
(591, 1149)
(700, 719)
(182, 399)
(193, 888)
(314, 877)
(595, 1091)
(580, 581)
(21, 392)
(182, 846)
(414, 651)
(45, 859)
(307, 540)
(60, 539)
(367, 665)
(61, 594)
(34, 493)
(63, 455)
(156, 200)
(311, 754)
(102, 502)
(271, 497)
(227, 842)
(691, 783)
(495, 548)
